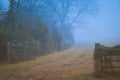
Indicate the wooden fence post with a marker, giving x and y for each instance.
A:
(96, 59)
(8, 53)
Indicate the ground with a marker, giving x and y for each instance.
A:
(71, 64)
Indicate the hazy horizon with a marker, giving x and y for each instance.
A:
(103, 27)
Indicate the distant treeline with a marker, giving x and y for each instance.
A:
(25, 20)
(46, 21)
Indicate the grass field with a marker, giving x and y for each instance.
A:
(71, 64)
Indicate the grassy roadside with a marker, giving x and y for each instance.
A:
(72, 64)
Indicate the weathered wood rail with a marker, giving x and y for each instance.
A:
(22, 50)
(107, 59)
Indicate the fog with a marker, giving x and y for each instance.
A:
(103, 27)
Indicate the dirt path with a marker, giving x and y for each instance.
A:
(56, 66)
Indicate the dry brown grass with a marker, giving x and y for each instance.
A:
(72, 64)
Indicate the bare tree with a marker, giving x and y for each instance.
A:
(49, 21)
(61, 11)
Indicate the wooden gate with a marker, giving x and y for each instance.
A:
(107, 59)
(22, 50)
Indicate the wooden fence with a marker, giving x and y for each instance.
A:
(22, 50)
(107, 59)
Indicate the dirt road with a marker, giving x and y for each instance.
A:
(64, 65)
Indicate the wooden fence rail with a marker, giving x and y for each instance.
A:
(22, 50)
(107, 59)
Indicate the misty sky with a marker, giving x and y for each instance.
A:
(104, 27)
